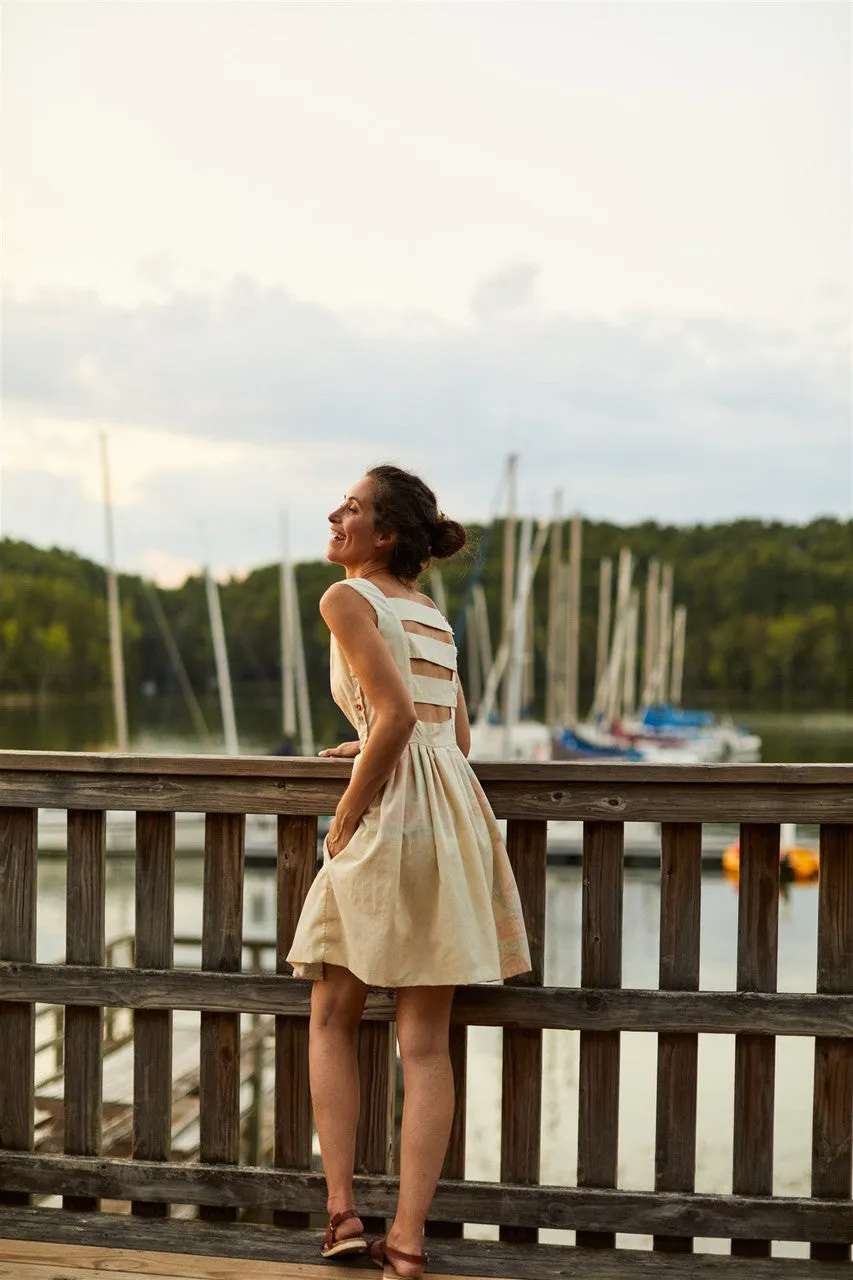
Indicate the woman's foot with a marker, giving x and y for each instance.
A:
(343, 1235)
(399, 1256)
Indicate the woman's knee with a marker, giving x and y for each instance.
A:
(337, 1003)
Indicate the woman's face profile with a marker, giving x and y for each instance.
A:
(352, 537)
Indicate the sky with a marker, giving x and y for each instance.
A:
(265, 245)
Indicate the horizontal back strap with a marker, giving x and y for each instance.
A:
(439, 693)
(429, 650)
(413, 611)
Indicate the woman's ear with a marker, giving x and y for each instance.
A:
(386, 539)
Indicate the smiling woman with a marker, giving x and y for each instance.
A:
(416, 891)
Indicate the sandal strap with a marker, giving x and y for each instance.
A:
(334, 1222)
(392, 1253)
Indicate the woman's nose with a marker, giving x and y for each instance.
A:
(334, 515)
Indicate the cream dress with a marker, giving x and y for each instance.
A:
(423, 894)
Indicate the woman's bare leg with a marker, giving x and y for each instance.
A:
(337, 1003)
(423, 1021)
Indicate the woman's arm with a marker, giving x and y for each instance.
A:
(352, 621)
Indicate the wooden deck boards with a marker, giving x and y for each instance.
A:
(31, 1260)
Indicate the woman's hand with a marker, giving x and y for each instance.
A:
(341, 830)
(346, 751)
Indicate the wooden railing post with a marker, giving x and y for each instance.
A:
(17, 1020)
(222, 950)
(832, 1133)
(84, 933)
(601, 966)
(678, 1053)
(755, 1056)
(152, 1028)
(521, 1095)
(297, 864)
(377, 1069)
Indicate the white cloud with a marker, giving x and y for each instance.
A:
(223, 409)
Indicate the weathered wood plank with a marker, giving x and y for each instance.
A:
(521, 1094)
(377, 1070)
(633, 793)
(221, 950)
(675, 1138)
(18, 874)
(283, 767)
(152, 1029)
(832, 1134)
(297, 861)
(557, 1008)
(84, 944)
(286, 1262)
(601, 967)
(755, 1056)
(454, 1160)
(563, 1208)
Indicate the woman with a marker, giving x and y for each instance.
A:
(416, 890)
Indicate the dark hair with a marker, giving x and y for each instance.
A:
(404, 505)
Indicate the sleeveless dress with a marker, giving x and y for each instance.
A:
(423, 894)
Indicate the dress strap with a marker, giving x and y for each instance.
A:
(440, 652)
(370, 591)
(431, 689)
(414, 611)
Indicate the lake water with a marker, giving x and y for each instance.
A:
(162, 725)
(794, 1065)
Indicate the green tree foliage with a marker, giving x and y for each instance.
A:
(769, 607)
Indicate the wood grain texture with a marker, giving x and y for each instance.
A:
(374, 1143)
(755, 1055)
(296, 867)
(18, 878)
(712, 793)
(152, 1029)
(556, 1008)
(677, 1073)
(84, 944)
(454, 1160)
(215, 1244)
(221, 950)
(268, 1262)
(284, 767)
(562, 1208)
(601, 966)
(832, 1129)
(521, 1093)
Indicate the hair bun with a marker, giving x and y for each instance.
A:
(447, 538)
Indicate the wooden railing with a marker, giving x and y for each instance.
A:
(604, 798)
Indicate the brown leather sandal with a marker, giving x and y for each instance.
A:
(382, 1253)
(333, 1248)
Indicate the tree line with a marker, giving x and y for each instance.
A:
(769, 616)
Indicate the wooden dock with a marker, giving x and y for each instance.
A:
(267, 1213)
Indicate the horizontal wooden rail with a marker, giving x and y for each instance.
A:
(563, 1208)
(551, 1008)
(554, 790)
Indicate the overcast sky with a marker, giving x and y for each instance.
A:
(265, 245)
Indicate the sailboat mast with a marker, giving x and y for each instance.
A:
(223, 674)
(288, 669)
(556, 620)
(306, 728)
(572, 666)
(509, 563)
(113, 608)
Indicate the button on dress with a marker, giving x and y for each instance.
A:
(423, 894)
